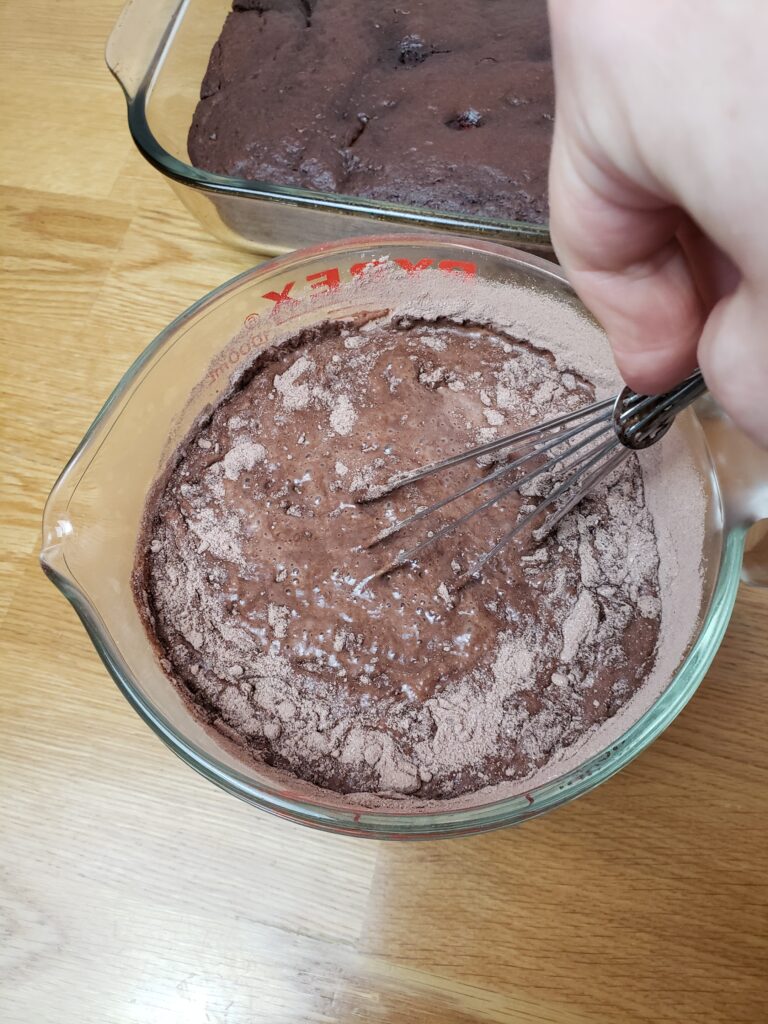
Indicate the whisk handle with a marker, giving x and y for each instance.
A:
(641, 420)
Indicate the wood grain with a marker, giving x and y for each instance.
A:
(133, 891)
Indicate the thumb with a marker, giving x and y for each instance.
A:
(619, 245)
(733, 355)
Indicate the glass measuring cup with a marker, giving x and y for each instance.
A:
(91, 523)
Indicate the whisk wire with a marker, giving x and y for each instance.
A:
(591, 481)
(640, 421)
(631, 421)
(503, 470)
(403, 557)
(544, 503)
(509, 441)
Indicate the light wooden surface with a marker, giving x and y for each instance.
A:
(133, 891)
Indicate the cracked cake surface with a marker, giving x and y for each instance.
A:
(448, 107)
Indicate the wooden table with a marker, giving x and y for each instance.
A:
(133, 891)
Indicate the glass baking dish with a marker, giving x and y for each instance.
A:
(92, 520)
(159, 51)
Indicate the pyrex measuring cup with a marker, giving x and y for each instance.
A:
(91, 523)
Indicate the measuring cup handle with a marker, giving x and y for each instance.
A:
(137, 40)
(742, 474)
(755, 568)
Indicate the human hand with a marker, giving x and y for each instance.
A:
(659, 188)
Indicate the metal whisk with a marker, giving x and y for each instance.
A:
(594, 441)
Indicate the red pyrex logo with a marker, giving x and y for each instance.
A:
(331, 278)
(323, 281)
